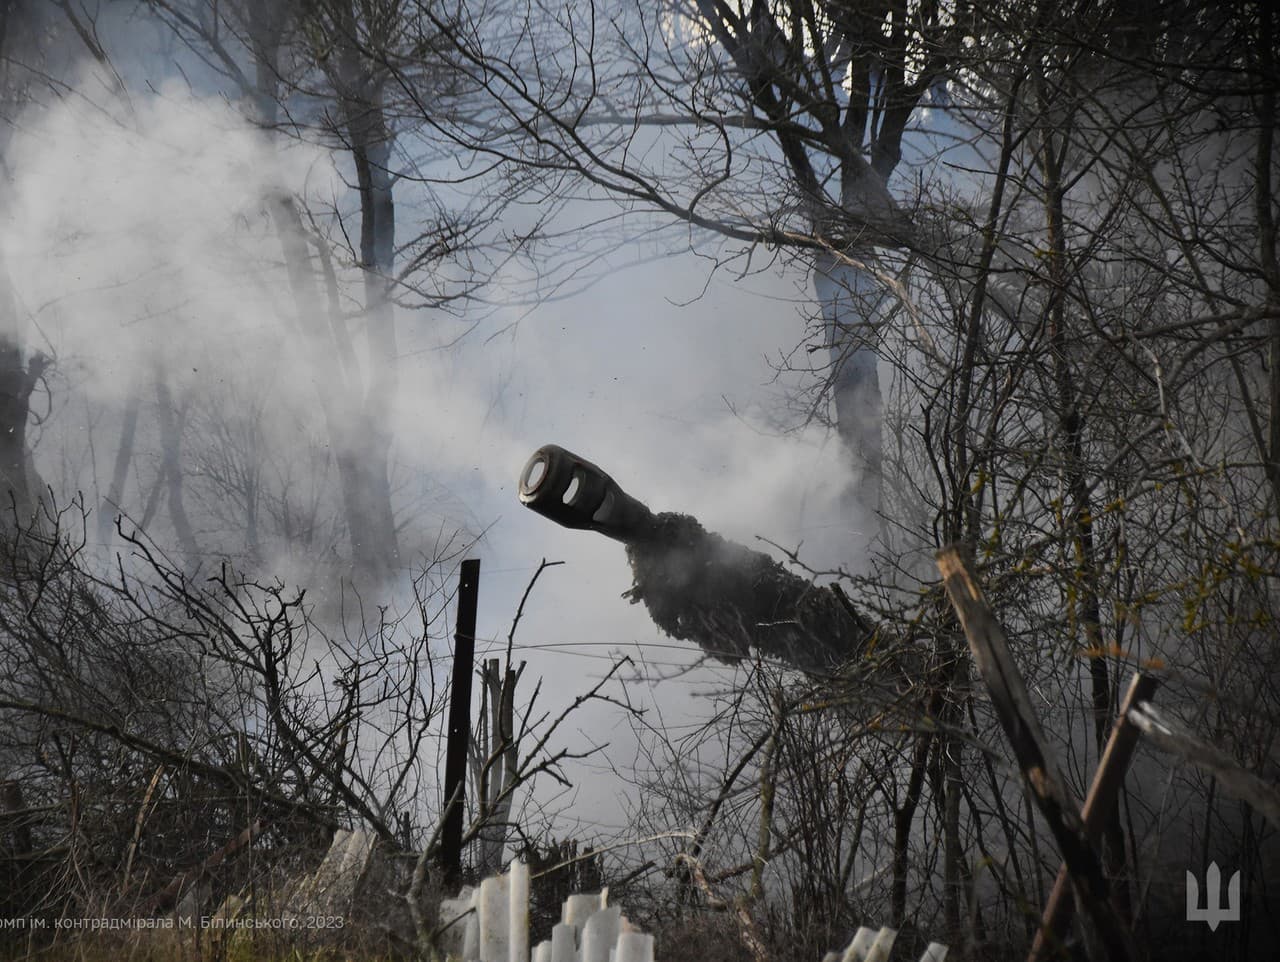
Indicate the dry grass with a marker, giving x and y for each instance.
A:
(193, 946)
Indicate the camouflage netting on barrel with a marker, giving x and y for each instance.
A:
(727, 598)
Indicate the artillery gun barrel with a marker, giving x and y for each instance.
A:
(697, 585)
(575, 493)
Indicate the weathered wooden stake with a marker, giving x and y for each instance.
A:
(1012, 703)
(1107, 782)
(459, 734)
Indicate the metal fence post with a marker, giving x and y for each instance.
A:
(459, 734)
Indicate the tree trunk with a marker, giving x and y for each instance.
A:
(1072, 425)
(903, 817)
(15, 493)
(19, 485)
(499, 765)
(953, 858)
(1264, 201)
(377, 550)
(851, 298)
(171, 460)
(357, 418)
(110, 507)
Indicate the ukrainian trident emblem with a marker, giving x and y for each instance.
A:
(1213, 911)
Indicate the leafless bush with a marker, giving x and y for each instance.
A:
(154, 729)
(168, 744)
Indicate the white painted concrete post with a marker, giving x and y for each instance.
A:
(634, 947)
(883, 945)
(494, 918)
(562, 947)
(518, 913)
(857, 951)
(600, 934)
(578, 908)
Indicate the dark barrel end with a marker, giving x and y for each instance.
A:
(573, 492)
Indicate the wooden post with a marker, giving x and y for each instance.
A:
(1107, 782)
(459, 734)
(1012, 703)
(496, 761)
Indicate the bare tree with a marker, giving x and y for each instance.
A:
(21, 48)
(1078, 388)
(320, 72)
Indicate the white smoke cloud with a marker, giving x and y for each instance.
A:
(139, 238)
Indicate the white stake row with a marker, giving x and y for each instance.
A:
(590, 930)
(498, 930)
